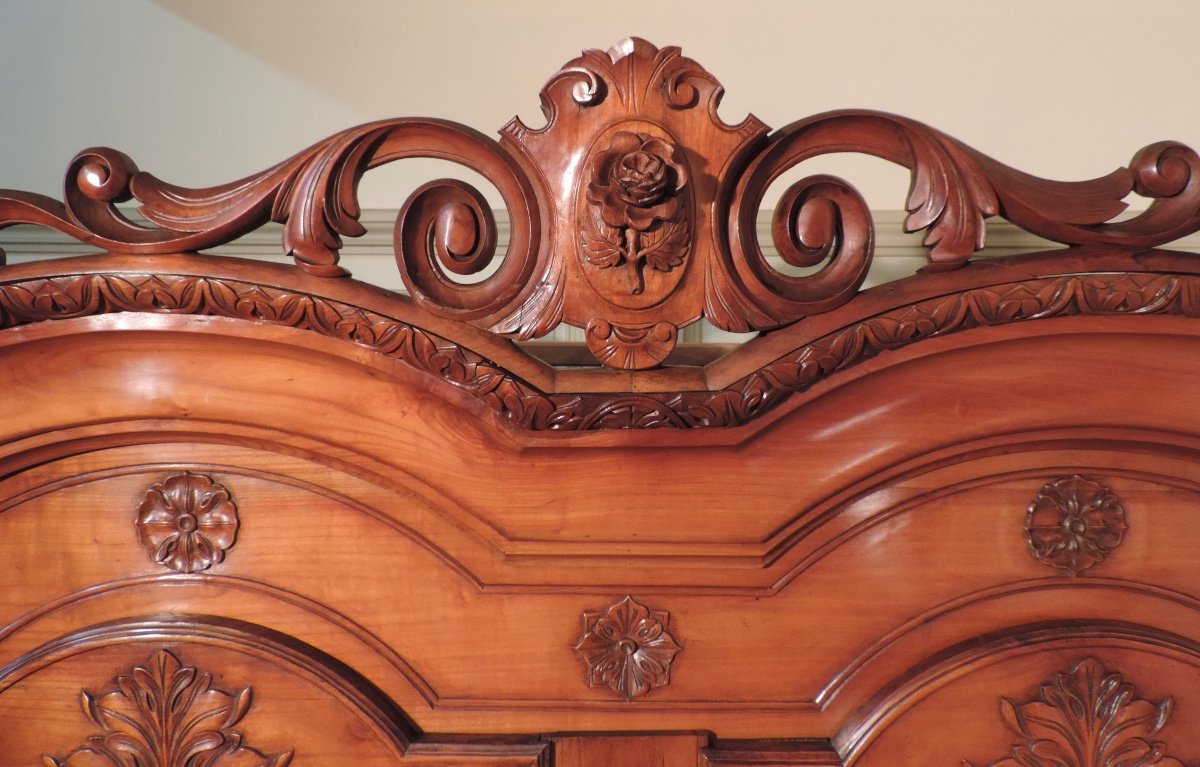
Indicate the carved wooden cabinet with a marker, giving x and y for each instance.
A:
(261, 514)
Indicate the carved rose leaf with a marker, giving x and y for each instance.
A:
(601, 251)
(669, 249)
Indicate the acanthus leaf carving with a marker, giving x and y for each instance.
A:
(1086, 717)
(641, 177)
(167, 714)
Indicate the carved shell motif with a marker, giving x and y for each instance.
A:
(627, 648)
(187, 522)
(1086, 717)
(166, 714)
(1073, 523)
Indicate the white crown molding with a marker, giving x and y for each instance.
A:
(24, 242)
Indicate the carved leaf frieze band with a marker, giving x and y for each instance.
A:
(167, 714)
(1086, 717)
(81, 295)
(187, 522)
(1073, 523)
(627, 648)
(653, 200)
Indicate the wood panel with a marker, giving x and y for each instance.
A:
(261, 514)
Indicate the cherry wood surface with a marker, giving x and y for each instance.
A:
(261, 514)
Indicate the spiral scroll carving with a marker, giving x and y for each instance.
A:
(671, 251)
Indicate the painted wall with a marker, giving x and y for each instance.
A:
(203, 92)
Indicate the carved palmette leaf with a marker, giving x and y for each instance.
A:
(167, 714)
(1086, 717)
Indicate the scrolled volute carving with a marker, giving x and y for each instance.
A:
(167, 714)
(654, 201)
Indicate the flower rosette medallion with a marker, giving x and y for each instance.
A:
(1073, 523)
(187, 522)
(627, 648)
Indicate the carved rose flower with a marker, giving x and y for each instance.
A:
(635, 181)
(627, 648)
(1073, 523)
(187, 522)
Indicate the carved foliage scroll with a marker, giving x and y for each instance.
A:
(1086, 717)
(187, 522)
(1073, 523)
(627, 648)
(652, 203)
(167, 714)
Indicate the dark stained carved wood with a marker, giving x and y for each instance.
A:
(1073, 523)
(187, 522)
(1086, 717)
(627, 648)
(167, 714)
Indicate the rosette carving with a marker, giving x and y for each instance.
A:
(167, 714)
(1086, 717)
(1073, 523)
(627, 648)
(187, 522)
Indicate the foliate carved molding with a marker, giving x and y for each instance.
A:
(187, 522)
(167, 714)
(627, 648)
(81, 295)
(1073, 523)
(653, 198)
(1086, 717)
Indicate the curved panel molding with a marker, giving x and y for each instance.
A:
(529, 407)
